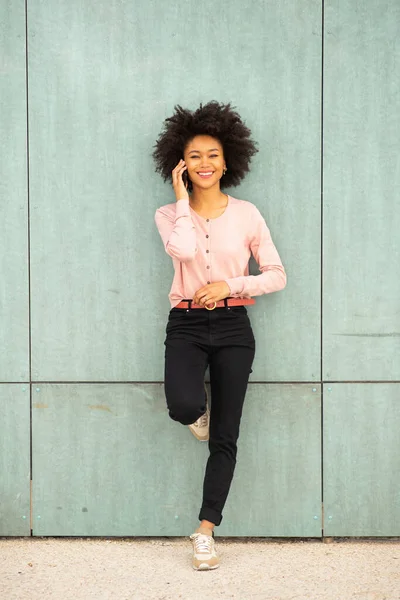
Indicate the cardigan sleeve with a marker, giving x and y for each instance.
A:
(177, 232)
(273, 276)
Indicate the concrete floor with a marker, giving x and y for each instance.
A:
(160, 569)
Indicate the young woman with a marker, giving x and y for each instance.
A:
(210, 236)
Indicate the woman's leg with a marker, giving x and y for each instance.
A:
(230, 367)
(185, 367)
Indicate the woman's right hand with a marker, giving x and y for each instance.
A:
(180, 188)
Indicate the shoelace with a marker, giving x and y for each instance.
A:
(203, 542)
(203, 420)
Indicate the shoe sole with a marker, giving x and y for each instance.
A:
(205, 567)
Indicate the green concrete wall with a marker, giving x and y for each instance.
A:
(86, 446)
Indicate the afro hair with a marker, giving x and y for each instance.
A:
(217, 120)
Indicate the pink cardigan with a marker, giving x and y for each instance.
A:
(209, 250)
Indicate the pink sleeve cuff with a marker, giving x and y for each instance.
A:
(235, 285)
(182, 208)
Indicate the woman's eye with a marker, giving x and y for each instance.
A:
(197, 157)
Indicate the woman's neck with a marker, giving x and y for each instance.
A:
(207, 199)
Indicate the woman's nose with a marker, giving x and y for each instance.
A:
(204, 163)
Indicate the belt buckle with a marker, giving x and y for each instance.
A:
(215, 304)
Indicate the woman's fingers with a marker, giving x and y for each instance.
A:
(204, 300)
(179, 187)
(177, 172)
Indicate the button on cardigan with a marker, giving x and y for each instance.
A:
(209, 250)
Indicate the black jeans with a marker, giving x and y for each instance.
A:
(223, 339)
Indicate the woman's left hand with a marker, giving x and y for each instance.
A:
(211, 293)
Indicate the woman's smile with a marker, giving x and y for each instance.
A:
(205, 174)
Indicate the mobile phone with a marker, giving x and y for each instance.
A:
(185, 178)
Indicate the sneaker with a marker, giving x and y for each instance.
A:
(204, 553)
(201, 427)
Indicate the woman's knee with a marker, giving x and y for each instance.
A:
(183, 409)
(186, 418)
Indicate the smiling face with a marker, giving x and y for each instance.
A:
(204, 158)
